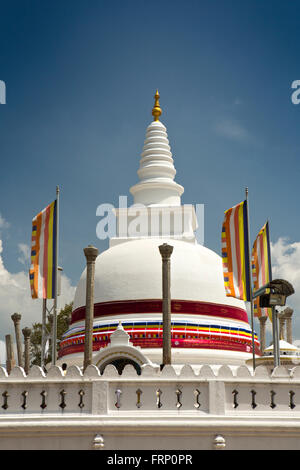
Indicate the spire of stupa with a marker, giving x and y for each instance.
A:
(157, 171)
(156, 111)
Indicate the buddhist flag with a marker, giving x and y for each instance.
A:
(261, 267)
(43, 269)
(235, 252)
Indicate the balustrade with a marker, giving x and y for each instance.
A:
(207, 392)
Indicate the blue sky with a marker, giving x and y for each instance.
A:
(80, 79)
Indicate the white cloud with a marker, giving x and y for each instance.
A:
(24, 253)
(232, 129)
(3, 223)
(286, 265)
(15, 297)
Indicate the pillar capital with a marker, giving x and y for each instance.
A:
(26, 332)
(91, 253)
(287, 312)
(165, 251)
(16, 318)
(263, 319)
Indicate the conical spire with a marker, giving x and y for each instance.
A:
(157, 171)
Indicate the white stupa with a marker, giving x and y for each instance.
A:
(207, 326)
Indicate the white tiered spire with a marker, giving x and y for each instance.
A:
(157, 209)
(156, 173)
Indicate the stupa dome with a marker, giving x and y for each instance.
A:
(128, 288)
(132, 271)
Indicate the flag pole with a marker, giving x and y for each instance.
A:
(250, 281)
(54, 324)
(276, 349)
(43, 333)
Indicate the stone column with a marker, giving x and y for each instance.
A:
(91, 254)
(281, 319)
(10, 359)
(16, 318)
(166, 251)
(262, 322)
(26, 333)
(288, 312)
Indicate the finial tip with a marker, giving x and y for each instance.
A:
(156, 111)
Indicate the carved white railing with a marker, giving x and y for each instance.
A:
(154, 392)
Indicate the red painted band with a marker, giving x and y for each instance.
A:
(155, 306)
(187, 343)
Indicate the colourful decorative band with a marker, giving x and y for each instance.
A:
(189, 307)
(156, 326)
(150, 334)
(219, 344)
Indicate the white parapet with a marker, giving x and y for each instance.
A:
(168, 409)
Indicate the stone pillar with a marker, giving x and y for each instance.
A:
(288, 312)
(262, 322)
(281, 319)
(26, 333)
(10, 359)
(166, 251)
(91, 254)
(16, 318)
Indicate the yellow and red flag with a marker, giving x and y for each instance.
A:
(235, 253)
(261, 267)
(43, 269)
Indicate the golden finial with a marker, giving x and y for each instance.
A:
(156, 111)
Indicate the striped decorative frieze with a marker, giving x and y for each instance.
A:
(149, 334)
